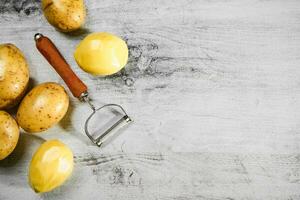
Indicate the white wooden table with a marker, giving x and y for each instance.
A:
(216, 101)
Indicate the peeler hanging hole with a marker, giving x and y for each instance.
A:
(37, 36)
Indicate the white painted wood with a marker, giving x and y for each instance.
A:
(216, 101)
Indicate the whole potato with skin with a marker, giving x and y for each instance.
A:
(9, 134)
(65, 15)
(14, 75)
(44, 106)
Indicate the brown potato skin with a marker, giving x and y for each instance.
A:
(65, 15)
(14, 75)
(9, 134)
(44, 106)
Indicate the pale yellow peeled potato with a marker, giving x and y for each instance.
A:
(65, 15)
(44, 106)
(101, 54)
(14, 75)
(51, 165)
(9, 134)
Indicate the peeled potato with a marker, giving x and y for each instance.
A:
(50, 167)
(44, 106)
(101, 54)
(9, 134)
(65, 15)
(14, 75)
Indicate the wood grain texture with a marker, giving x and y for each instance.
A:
(215, 100)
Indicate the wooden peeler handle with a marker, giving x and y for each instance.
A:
(54, 57)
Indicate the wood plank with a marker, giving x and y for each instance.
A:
(165, 176)
(215, 100)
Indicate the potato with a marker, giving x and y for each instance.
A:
(65, 15)
(44, 106)
(101, 54)
(14, 75)
(9, 134)
(51, 165)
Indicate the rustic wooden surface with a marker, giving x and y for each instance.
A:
(215, 99)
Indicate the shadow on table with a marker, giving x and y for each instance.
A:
(82, 32)
(25, 141)
(13, 111)
(66, 122)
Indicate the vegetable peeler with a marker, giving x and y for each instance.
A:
(79, 89)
